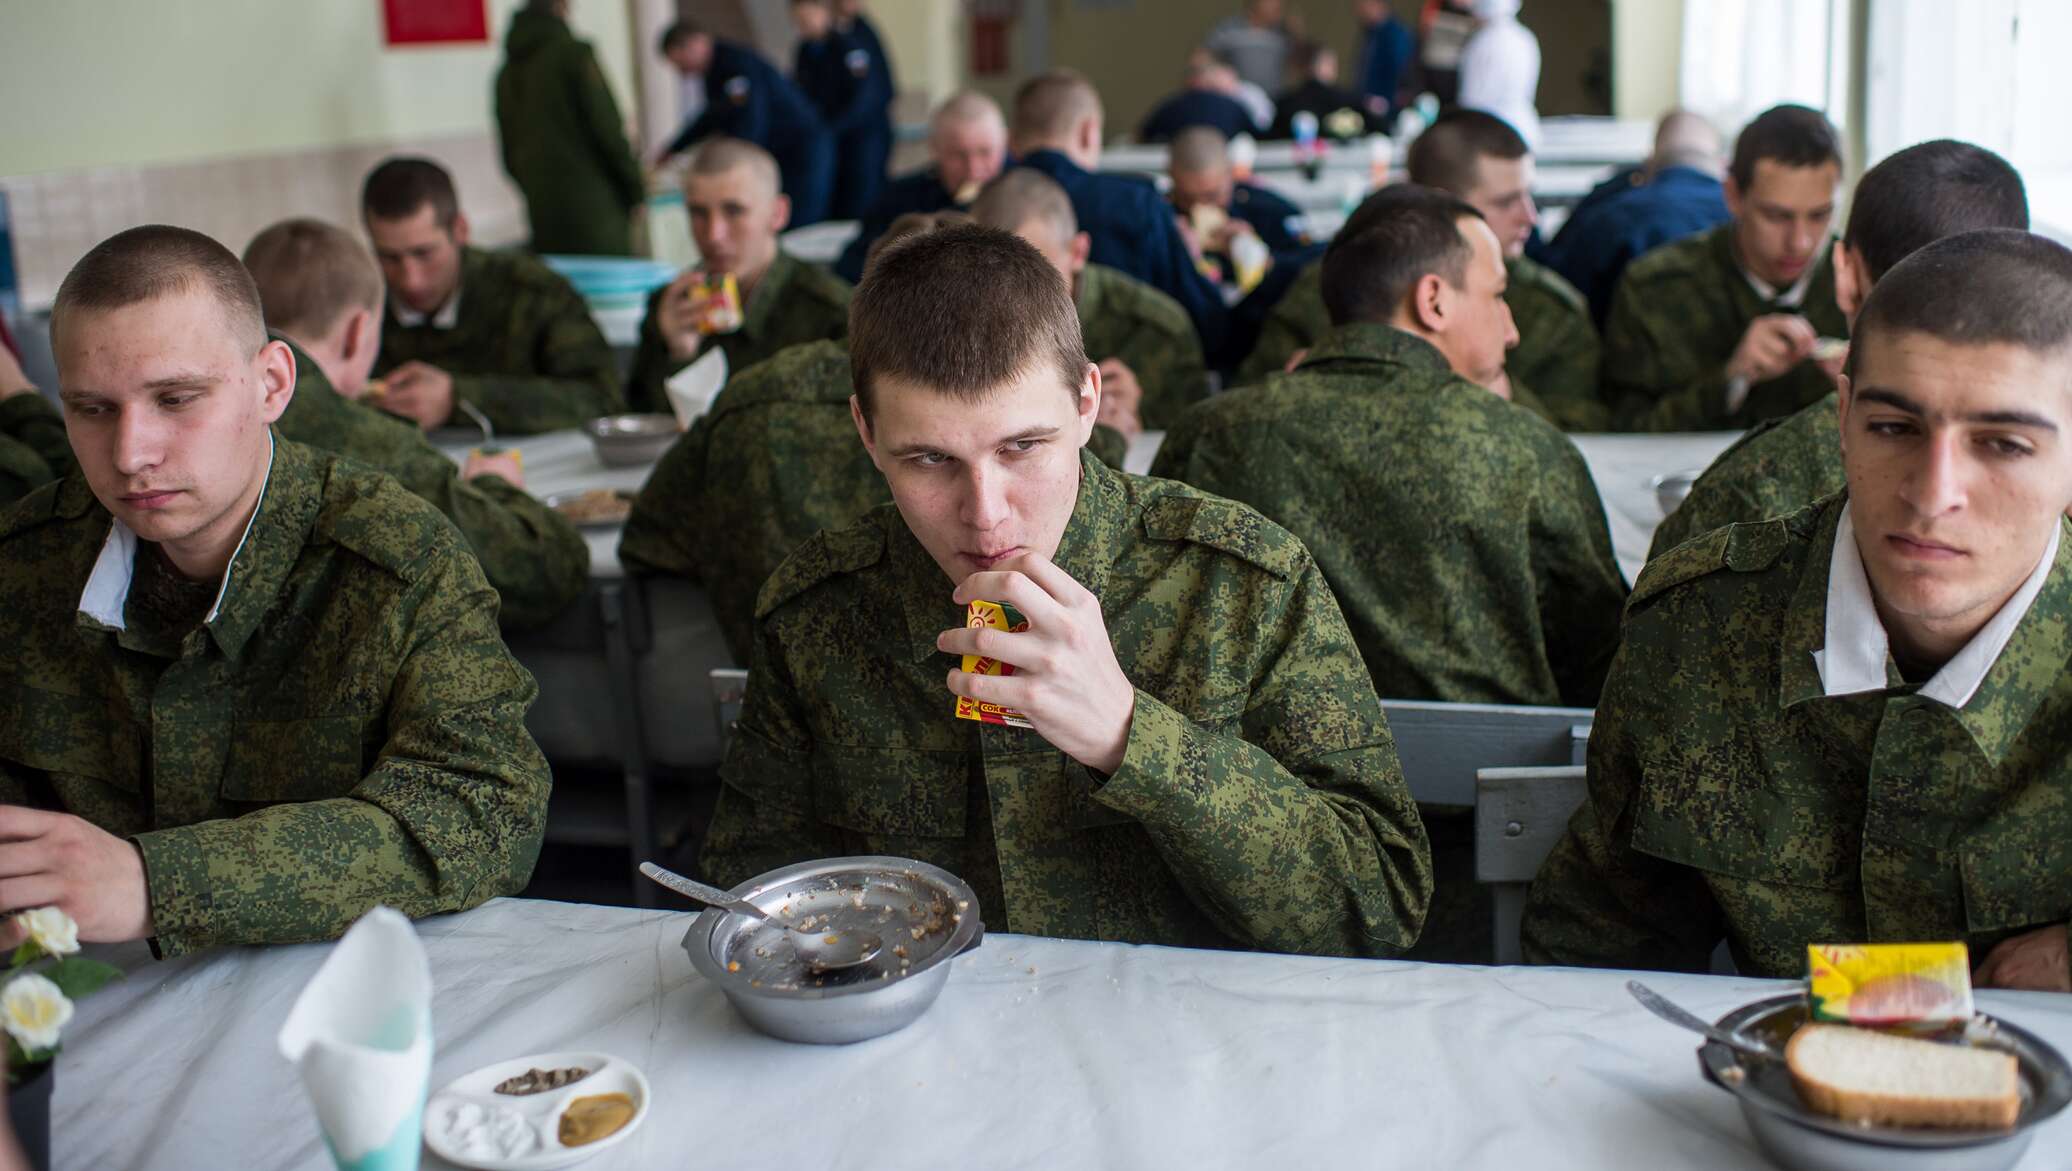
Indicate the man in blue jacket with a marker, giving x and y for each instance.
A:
(746, 98)
(1057, 130)
(967, 139)
(1386, 47)
(844, 72)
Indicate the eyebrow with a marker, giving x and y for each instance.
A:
(1032, 433)
(1900, 402)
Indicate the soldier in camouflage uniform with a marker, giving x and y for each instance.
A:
(1553, 371)
(1911, 199)
(736, 214)
(255, 689)
(497, 330)
(1150, 357)
(562, 139)
(1205, 762)
(1717, 331)
(33, 447)
(1850, 724)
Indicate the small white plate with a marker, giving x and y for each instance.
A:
(538, 1113)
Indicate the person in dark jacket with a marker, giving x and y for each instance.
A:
(842, 68)
(1208, 100)
(967, 139)
(563, 141)
(747, 98)
(1386, 47)
(1341, 114)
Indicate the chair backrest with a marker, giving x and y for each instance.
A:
(729, 688)
(1442, 745)
(1520, 814)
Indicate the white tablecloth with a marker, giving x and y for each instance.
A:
(561, 461)
(1040, 1054)
(1563, 142)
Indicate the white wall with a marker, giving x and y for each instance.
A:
(1647, 56)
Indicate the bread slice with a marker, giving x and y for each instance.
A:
(1863, 1076)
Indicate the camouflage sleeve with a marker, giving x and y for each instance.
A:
(22, 471)
(600, 112)
(1176, 451)
(1581, 590)
(1714, 503)
(1109, 446)
(32, 421)
(661, 533)
(1301, 835)
(1175, 379)
(578, 380)
(1286, 330)
(1597, 901)
(764, 819)
(1566, 371)
(450, 816)
(1653, 378)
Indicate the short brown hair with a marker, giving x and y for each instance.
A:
(1791, 136)
(717, 156)
(962, 310)
(1449, 154)
(1406, 233)
(310, 274)
(1995, 286)
(1050, 105)
(156, 260)
(1021, 194)
(397, 188)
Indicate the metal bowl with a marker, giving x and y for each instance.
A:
(1671, 488)
(1794, 1136)
(627, 440)
(926, 916)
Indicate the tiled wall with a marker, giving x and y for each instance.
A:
(56, 217)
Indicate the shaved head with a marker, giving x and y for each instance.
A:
(1022, 196)
(144, 264)
(967, 108)
(1049, 108)
(1685, 139)
(1198, 150)
(718, 156)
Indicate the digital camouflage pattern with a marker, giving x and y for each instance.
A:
(1259, 802)
(563, 141)
(775, 460)
(1463, 537)
(534, 558)
(1122, 317)
(793, 304)
(348, 730)
(1553, 368)
(1729, 798)
(1676, 320)
(33, 447)
(525, 350)
(1776, 469)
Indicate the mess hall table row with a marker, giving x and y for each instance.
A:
(1582, 141)
(1041, 1053)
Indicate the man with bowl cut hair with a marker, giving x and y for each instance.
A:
(1199, 758)
(252, 689)
(1854, 724)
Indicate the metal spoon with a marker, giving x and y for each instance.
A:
(1675, 1014)
(821, 951)
(489, 444)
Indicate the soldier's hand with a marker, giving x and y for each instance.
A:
(1066, 680)
(1122, 396)
(2038, 961)
(421, 392)
(1773, 344)
(58, 860)
(682, 308)
(502, 464)
(1230, 231)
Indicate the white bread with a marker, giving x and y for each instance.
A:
(1859, 1075)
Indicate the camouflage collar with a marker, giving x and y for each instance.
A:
(769, 292)
(1090, 291)
(1363, 342)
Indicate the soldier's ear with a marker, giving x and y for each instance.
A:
(1850, 286)
(1429, 307)
(863, 428)
(276, 370)
(780, 213)
(459, 231)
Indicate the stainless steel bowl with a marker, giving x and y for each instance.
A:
(627, 440)
(1796, 1137)
(1671, 488)
(926, 916)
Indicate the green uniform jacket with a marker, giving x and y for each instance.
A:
(348, 729)
(1553, 368)
(1463, 536)
(33, 447)
(563, 141)
(1729, 798)
(1122, 317)
(1677, 318)
(774, 461)
(525, 350)
(532, 555)
(1259, 802)
(1776, 469)
(793, 304)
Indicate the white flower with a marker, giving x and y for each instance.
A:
(34, 1011)
(52, 929)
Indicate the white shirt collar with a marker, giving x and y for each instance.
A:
(446, 317)
(1853, 659)
(106, 595)
(1790, 298)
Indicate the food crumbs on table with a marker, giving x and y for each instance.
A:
(538, 1081)
(589, 1119)
(899, 949)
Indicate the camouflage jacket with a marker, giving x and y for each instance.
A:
(33, 447)
(1463, 537)
(1676, 320)
(774, 461)
(525, 350)
(1259, 802)
(1776, 469)
(563, 141)
(1731, 798)
(346, 728)
(533, 557)
(793, 304)
(1554, 364)
(1122, 317)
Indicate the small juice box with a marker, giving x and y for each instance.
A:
(1925, 985)
(996, 616)
(721, 297)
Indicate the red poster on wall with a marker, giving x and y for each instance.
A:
(435, 22)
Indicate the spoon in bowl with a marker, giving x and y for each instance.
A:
(1676, 1014)
(821, 951)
